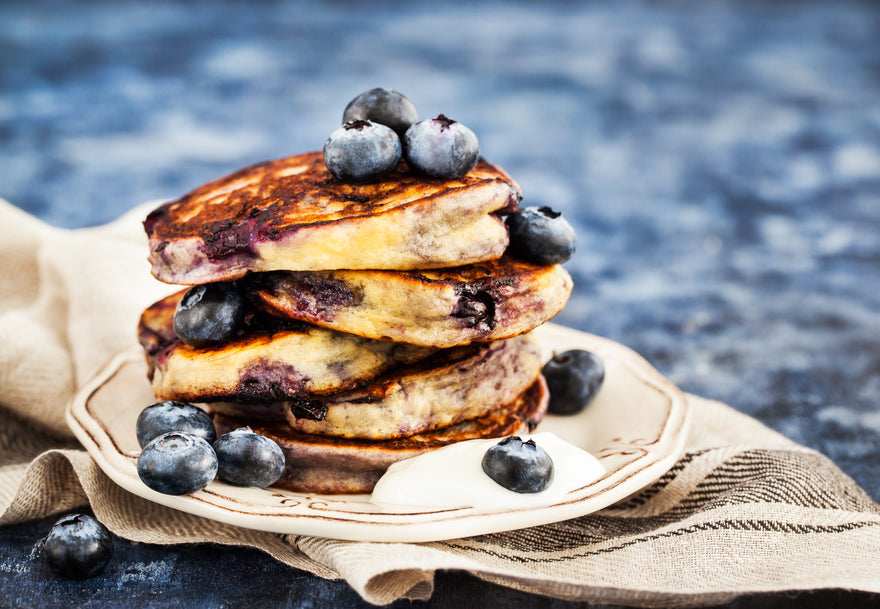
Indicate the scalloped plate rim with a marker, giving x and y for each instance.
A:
(315, 515)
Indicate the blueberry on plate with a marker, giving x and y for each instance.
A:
(209, 314)
(248, 459)
(171, 415)
(440, 148)
(384, 106)
(177, 463)
(541, 236)
(573, 378)
(361, 151)
(522, 467)
(78, 546)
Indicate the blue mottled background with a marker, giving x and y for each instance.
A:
(720, 160)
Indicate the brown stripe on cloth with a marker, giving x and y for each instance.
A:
(743, 511)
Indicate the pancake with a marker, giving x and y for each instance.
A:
(442, 308)
(291, 214)
(270, 361)
(449, 387)
(331, 465)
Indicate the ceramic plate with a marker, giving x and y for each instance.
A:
(636, 427)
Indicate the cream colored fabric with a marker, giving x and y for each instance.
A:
(745, 510)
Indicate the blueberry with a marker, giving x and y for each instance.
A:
(440, 148)
(383, 106)
(209, 314)
(361, 151)
(248, 459)
(573, 377)
(78, 546)
(541, 235)
(523, 467)
(177, 464)
(163, 417)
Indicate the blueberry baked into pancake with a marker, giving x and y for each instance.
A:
(359, 305)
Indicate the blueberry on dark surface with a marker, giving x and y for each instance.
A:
(384, 106)
(573, 378)
(248, 459)
(541, 236)
(361, 151)
(209, 314)
(163, 417)
(523, 467)
(78, 546)
(177, 464)
(441, 148)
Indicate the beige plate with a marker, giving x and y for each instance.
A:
(636, 426)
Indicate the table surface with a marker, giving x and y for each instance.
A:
(720, 162)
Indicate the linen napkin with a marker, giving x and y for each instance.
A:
(744, 510)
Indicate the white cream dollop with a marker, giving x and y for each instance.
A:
(453, 476)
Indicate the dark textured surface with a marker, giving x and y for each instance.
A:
(719, 160)
(206, 576)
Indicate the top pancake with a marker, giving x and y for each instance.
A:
(291, 214)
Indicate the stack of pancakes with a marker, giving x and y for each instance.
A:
(383, 320)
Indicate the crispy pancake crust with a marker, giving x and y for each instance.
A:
(330, 465)
(444, 307)
(292, 214)
(287, 361)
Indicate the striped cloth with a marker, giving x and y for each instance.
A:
(743, 511)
